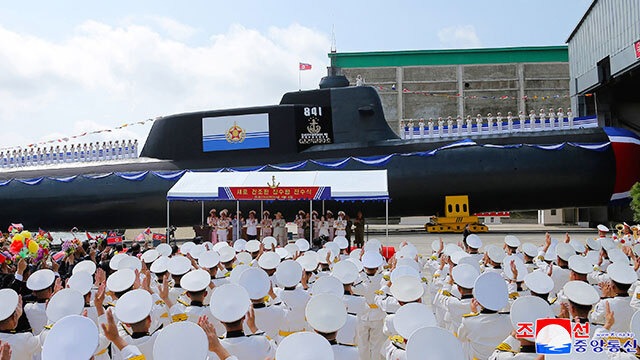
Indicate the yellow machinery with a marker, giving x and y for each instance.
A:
(456, 209)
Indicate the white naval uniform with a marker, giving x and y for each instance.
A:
(510, 349)
(248, 347)
(37, 316)
(621, 307)
(183, 311)
(144, 345)
(481, 333)
(24, 346)
(270, 319)
(370, 322)
(344, 352)
(295, 301)
(454, 308)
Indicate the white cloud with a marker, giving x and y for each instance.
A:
(460, 36)
(103, 76)
(174, 29)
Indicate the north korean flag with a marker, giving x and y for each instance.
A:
(304, 66)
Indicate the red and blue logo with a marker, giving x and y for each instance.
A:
(553, 336)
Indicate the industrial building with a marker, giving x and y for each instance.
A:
(427, 84)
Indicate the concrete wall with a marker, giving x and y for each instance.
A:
(446, 81)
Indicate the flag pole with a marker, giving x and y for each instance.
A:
(299, 81)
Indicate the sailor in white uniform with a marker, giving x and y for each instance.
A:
(304, 345)
(177, 267)
(41, 283)
(370, 321)
(294, 297)
(409, 318)
(405, 289)
(615, 294)
(269, 317)
(326, 314)
(463, 276)
(23, 345)
(233, 307)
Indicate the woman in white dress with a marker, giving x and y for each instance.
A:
(280, 230)
(323, 228)
(212, 221)
(252, 226)
(300, 218)
(340, 224)
(223, 226)
(330, 219)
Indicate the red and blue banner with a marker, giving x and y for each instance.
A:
(275, 193)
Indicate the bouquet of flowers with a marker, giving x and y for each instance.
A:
(70, 246)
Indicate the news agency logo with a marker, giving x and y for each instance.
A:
(553, 336)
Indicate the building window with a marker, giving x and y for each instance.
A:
(553, 212)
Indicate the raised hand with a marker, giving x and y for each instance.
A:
(514, 269)
(110, 330)
(474, 304)
(251, 320)
(567, 238)
(22, 265)
(57, 285)
(98, 300)
(136, 282)
(5, 351)
(609, 317)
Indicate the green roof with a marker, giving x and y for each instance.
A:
(451, 57)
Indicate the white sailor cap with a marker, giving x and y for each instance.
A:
(240, 245)
(208, 259)
(490, 290)
(302, 244)
(283, 253)
(530, 250)
(411, 317)
(256, 282)
(616, 255)
(603, 228)
(372, 259)
(550, 255)
(234, 276)
(219, 245)
(465, 275)
(496, 254)
(87, 266)
(408, 262)
(8, 303)
(304, 345)
(121, 280)
(252, 246)
(565, 251)
(512, 241)
(269, 260)
(207, 246)
(407, 288)
(435, 245)
(64, 303)
(181, 340)
(539, 282)
(269, 242)
(81, 281)
(451, 249)
(342, 242)
(355, 253)
(186, 247)
(459, 255)
(326, 313)
(472, 240)
(160, 265)
(580, 265)
(134, 306)
(115, 260)
(437, 342)
(580, 293)
(288, 273)
(196, 251)
(164, 249)
(528, 309)
(308, 262)
(41, 280)
(130, 262)
(195, 280)
(357, 262)
(227, 254)
(622, 273)
(407, 251)
(403, 270)
(231, 302)
(372, 244)
(292, 249)
(594, 244)
(322, 256)
(578, 245)
(72, 338)
(345, 271)
(607, 244)
(243, 258)
(327, 284)
(593, 256)
(334, 248)
(470, 260)
(179, 265)
(150, 256)
(520, 267)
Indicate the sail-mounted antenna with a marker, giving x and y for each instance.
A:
(333, 39)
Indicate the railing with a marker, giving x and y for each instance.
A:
(421, 129)
(73, 154)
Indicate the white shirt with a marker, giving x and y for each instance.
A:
(251, 347)
(35, 313)
(252, 226)
(481, 333)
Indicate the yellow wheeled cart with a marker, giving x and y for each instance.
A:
(456, 209)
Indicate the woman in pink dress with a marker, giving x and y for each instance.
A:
(329, 219)
(300, 222)
(212, 221)
(267, 227)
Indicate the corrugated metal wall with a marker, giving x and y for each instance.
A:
(610, 27)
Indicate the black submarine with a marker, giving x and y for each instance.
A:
(327, 128)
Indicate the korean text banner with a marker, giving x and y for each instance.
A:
(235, 132)
(278, 193)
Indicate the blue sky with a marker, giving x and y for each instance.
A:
(72, 66)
